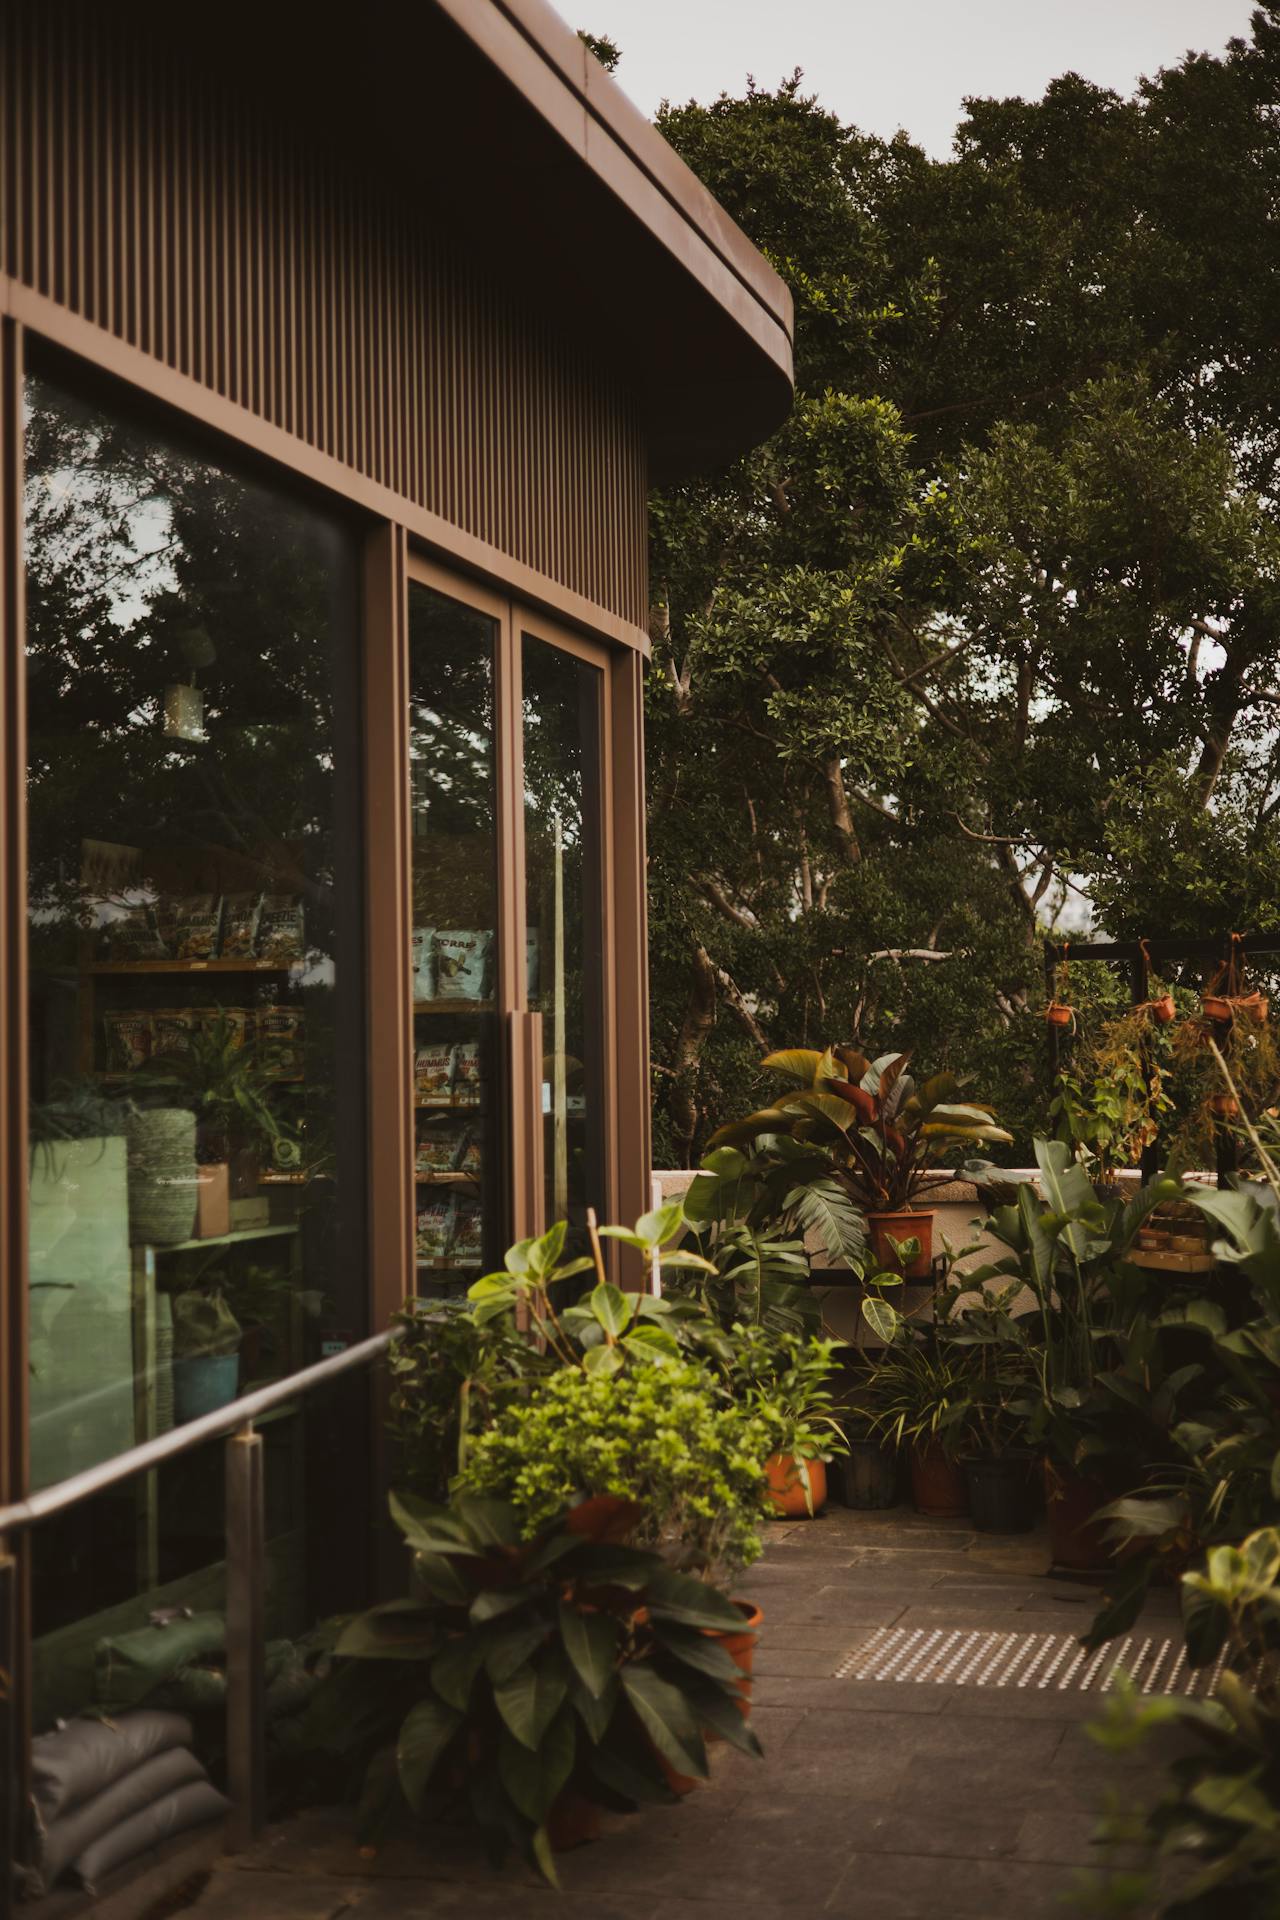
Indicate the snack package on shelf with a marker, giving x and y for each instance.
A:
(281, 929)
(466, 1244)
(130, 1039)
(240, 915)
(281, 1035)
(190, 925)
(174, 1028)
(238, 1023)
(471, 1154)
(433, 1074)
(441, 1143)
(424, 963)
(434, 1227)
(136, 936)
(462, 965)
(466, 1073)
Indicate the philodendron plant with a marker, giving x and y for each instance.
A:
(524, 1671)
(879, 1131)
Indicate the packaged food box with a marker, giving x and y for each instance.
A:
(281, 930)
(466, 1073)
(440, 1146)
(281, 1033)
(130, 1039)
(466, 1246)
(433, 1074)
(136, 936)
(191, 923)
(424, 963)
(240, 913)
(434, 1227)
(174, 1028)
(470, 1157)
(462, 965)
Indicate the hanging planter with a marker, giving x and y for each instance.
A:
(1223, 1106)
(1059, 1015)
(1216, 1008)
(1163, 1010)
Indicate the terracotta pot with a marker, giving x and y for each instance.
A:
(1256, 1005)
(786, 1488)
(1058, 1015)
(741, 1648)
(1071, 1502)
(1215, 1007)
(1223, 1107)
(572, 1822)
(1163, 1010)
(938, 1485)
(908, 1224)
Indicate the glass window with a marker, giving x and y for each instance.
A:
(197, 1019)
(563, 784)
(452, 779)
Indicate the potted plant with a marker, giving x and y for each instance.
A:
(867, 1473)
(786, 1379)
(882, 1135)
(206, 1353)
(924, 1406)
(532, 1679)
(1109, 1113)
(220, 1080)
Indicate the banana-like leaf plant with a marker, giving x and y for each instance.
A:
(882, 1134)
(522, 1671)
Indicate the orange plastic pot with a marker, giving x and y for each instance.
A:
(938, 1485)
(1223, 1107)
(572, 1822)
(786, 1488)
(741, 1647)
(904, 1225)
(1163, 1010)
(1215, 1007)
(1058, 1015)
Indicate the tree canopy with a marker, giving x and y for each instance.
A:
(986, 636)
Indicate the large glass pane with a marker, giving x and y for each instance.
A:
(562, 698)
(456, 1074)
(196, 1001)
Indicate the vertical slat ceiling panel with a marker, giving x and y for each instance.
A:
(214, 242)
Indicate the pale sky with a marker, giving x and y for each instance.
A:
(881, 65)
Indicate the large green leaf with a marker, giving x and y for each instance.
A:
(823, 1206)
(426, 1732)
(511, 1650)
(492, 1603)
(591, 1642)
(534, 1779)
(399, 1630)
(800, 1065)
(602, 1361)
(666, 1716)
(630, 1781)
(455, 1667)
(610, 1306)
(441, 1578)
(1067, 1190)
(595, 1714)
(742, 1132)
(696, 1649)
(691, 1603)
(490, 1523)
(531, 1697)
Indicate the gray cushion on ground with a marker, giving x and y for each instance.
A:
(80, 1759)
(67, 1838)
(177, 1812)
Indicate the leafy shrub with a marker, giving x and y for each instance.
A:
(661, 1435)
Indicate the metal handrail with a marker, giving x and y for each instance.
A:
(192, 1433)
(245, 1584)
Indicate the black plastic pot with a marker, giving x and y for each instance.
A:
(868, 1477)
(1000, 1495)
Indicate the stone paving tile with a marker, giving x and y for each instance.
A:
(913, 1887)
(849, 1696)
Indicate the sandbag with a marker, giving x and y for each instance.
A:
(131, 1666)
(85, 1756)
(186, 1807)
(67, 1838)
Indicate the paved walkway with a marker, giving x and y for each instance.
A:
(877, 1799)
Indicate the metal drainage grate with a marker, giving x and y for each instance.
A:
(967, 1657)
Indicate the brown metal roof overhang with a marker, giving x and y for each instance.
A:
(494, 118)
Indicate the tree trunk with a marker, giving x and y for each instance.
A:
(699, 1018)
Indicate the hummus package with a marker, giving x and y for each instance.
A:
(466, 1073)
(240, 913)
(424, 963)
(470, 1153)
(130, 1039)
(280, 929)
(466, 1248)
(440, 1147)
(191, 925)
(434, 1226)
(174, 1028)
(433, 1074)
(135, 936)
(462, 965)
(280, 1035)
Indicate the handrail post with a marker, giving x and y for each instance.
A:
(8, 1733)
(246, 1641)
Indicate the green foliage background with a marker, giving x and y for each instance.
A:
(988, 630)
